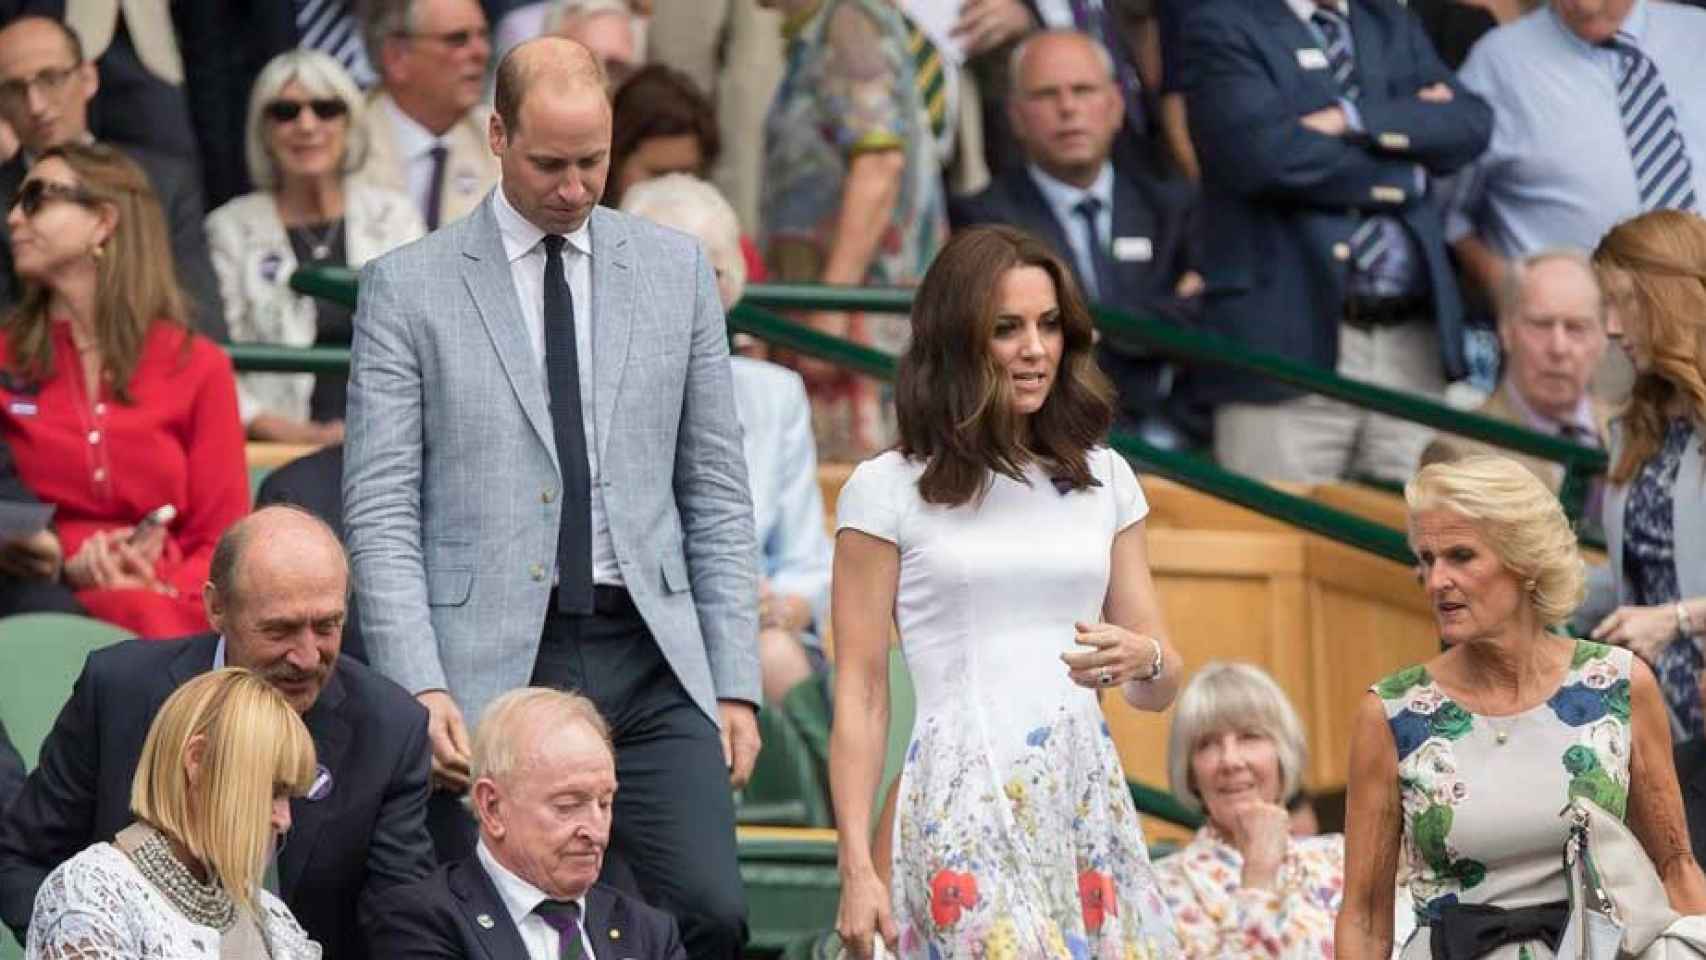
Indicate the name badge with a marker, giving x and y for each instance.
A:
(23, 408)
(1129, 249)
(1311, 58)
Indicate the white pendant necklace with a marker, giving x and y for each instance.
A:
(320, 244)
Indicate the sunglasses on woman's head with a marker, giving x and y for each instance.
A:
(326, 108)
(35, 194)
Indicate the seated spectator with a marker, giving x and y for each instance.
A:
(544, 777)
(45, 89)
(211, 797)
(853, 192)
(1235, 751)
(426, 127)
(305, 136)
(661, 124)
(1552, 331)
(781, 462)
(1125, 233)
(1326, 249)
(1559, 170)
(608, 28)
(113, 409)
(276, 596)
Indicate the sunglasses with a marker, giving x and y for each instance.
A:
(285, 111)
(35, 194)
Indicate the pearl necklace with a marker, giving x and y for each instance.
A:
(204, 904)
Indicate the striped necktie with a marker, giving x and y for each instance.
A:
(927, 77)
(563, 916)
(1368, 242)
(1662, 171)
(330, 27)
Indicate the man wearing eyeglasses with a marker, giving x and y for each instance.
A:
(427, 125)
(45, 89)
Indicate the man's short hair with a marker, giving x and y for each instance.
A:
(1514, 283)
(518, 71)
(1016, 60)
(498, 749)
(72, 40)
(234, 543)
(382, 20)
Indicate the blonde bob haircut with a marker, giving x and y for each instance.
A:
(256, 748)
(1224, 696)
(1519, 518)
(322, 78)
(500, 747)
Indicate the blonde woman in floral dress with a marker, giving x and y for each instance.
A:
(1008, 546)
(1461, 765)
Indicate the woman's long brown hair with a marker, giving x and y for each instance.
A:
(136, 282)
(1660, 258)
(955, 403)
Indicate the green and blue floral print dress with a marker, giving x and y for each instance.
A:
(1482, 795)
(1015, 835)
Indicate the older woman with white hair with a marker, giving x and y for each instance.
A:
(304, 139)
(1244, 886)
(781, 457)
(1460, 765)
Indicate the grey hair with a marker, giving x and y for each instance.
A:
(1016, 59)
(1515, 281)
(694, 207)
(498, 745)
(234, 544)
(562, 11)
(1233, 696)
(382, 20)
(321, 76)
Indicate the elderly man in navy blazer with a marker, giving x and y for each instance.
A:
(1321, 127)
(544, 786)
(276, 595)
(1125, 233)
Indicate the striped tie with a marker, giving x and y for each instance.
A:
(1662, 171)
(1368, 242)
(330, 27)
(927, 77)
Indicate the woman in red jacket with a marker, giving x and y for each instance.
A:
(112, 407)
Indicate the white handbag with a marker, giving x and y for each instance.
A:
(1618, 906)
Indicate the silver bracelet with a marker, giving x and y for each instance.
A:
(1684, 623)
(1157, 663)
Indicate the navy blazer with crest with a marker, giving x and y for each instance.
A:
(364, 835)
(1281, 201)
(457, 913)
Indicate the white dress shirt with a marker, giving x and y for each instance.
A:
(414, 144)
(519, 898)
(1063, 199)
(527, 269)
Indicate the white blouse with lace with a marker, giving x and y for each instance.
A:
(98, 906)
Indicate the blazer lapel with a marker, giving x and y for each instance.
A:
(612, 318)
(485, 269)
(1368, 36)
(484, 911)
(1291, 36)
(194, 659)
(331, 734)
(609, 933)
(1034, 207)
(1133, 218)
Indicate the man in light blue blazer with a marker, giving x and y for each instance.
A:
(544, 485)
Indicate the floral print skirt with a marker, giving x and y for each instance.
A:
(1029, 848)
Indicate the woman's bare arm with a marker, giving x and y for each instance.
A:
(1133, 604)
(1655, 801)
(1374, 827)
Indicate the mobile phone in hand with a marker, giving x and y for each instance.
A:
(157, 517)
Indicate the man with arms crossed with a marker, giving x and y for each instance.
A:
(544, 486)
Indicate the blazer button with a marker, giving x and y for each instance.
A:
(546, 496)
(537, 571)
(1341, 251)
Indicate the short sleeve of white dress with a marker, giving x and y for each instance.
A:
(873, 499)
(1130, 506)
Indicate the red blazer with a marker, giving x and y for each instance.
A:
(105, 464)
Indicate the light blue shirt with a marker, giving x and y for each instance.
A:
(1063, 199)
(1557, 171)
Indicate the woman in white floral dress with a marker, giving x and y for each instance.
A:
(1008, 546)
(1461, 765)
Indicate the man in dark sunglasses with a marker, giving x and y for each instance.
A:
(427, 128)
(45, 89)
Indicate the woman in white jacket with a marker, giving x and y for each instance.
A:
(305, 140)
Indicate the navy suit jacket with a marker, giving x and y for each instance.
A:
(457, 913)
(368, 833)
(1159, 211)
(1281, 201)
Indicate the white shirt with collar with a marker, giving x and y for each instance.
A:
(1063, 198)
(414, 145)
(1581, 418)
(519, 898)
(521, 241)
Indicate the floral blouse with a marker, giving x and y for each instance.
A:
(1649, 571)
(1215, 916)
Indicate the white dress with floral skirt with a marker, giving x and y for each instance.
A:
(1015, 835)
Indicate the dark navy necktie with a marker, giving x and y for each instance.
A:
(562, 377)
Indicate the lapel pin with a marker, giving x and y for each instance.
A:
(485, 921)
(321, 788)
